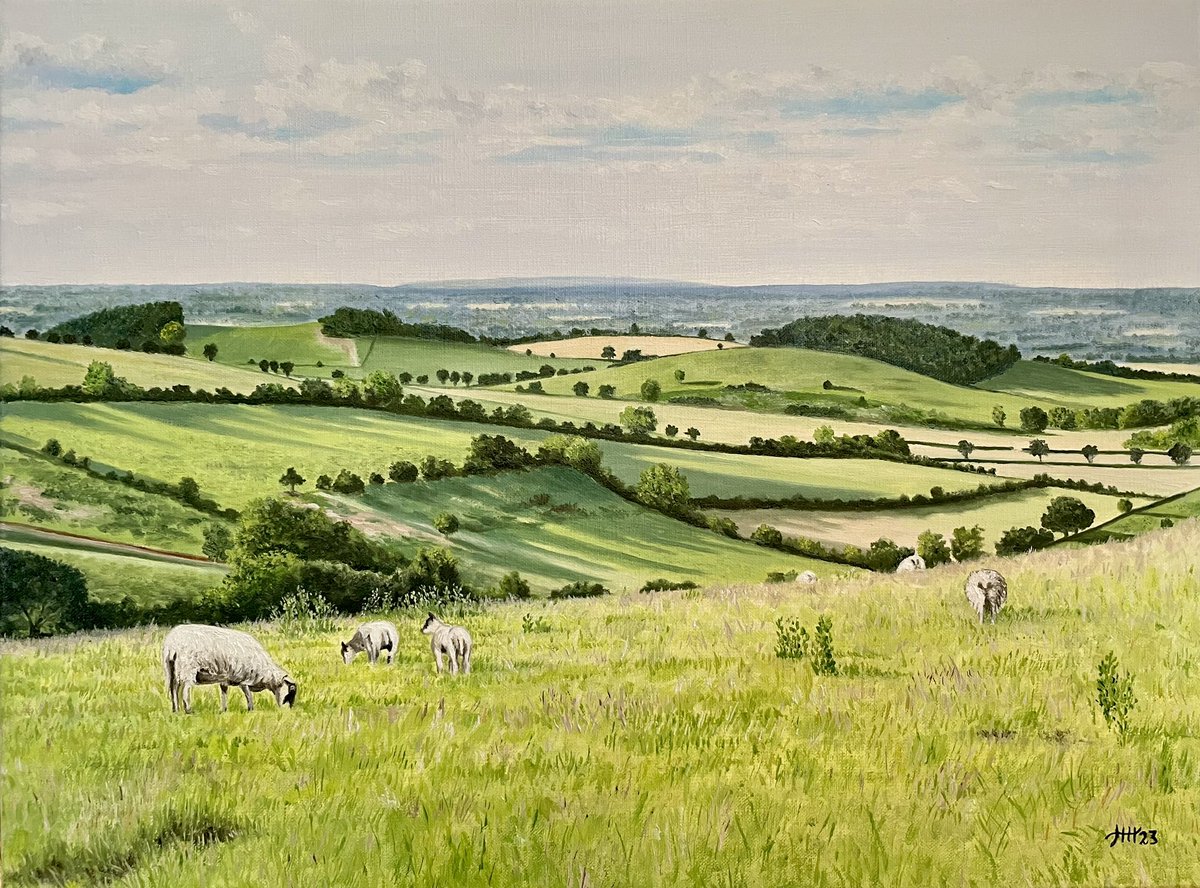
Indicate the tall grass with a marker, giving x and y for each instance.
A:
(646, 740)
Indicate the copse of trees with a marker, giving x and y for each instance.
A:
(1108, 368)
(1017, 540)
(939, 352)
(143, 322)
(1067, 515)
(40, 596)
(350, 322)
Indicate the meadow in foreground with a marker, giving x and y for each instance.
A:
(645, 740)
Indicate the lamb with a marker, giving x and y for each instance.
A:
(807, 577)
(987, 592)
(912, 562)
(374, 638)
(452, 641)
(199, 655)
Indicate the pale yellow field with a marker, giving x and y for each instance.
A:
(592, 346)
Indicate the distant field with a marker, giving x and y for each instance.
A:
(58, 365)
(1192, 369)
(593, 346)
(556, 526)
(299, 343)
(41, 494)
(1154, 480)
(1179, 509)
(994, 514)
(1076, 388)
(237, 452)
(644, 740)
(113, 577)
(728, 474)
(425, 357)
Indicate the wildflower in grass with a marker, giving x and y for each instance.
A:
(305, 613)
(1114, 694)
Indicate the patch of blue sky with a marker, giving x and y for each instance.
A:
(62, 77)
(866, 105)
(1104, 96)
(301, 126)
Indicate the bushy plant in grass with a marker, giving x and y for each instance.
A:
(791, 639)
(766, 535)
(823, 662)
(446, 523)
(966, 543)
(579, 589)
(665, 585)
(513, 586)
(781, 576)
(402, 472)
(531, 624)
(1016, 540)
(305, 613)
(218, 539)
(931, 546)
(1114, 694)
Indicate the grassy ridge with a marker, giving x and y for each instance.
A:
(648, 740)
(994, 514)
(555, 526)
(58, 365)
(1175, 509)
(1079, 389)
(298, 343)
(425, 357)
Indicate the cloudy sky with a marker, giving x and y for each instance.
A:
(734, 142)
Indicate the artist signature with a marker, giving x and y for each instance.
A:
(1134, 834)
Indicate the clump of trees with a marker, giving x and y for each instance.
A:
(349, 322)
(934, 351)
(144, 322)
(41, 596)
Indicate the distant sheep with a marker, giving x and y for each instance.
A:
(987, 592)
(808, 577)
(200, 655)
(451, 641)
(374, 638)
(912, 562)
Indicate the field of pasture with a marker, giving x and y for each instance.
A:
(644, 739)
(302, 344)
(1148, 518)
(425, 357)
(593, 346)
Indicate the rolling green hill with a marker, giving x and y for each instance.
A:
(58, 365)
(425, 357)
(301, 344)
(1176, 509)
(555, 525)
(1076, 388)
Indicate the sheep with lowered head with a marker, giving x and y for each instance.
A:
(987, 592)
(807, 578)
(912, 562)
(199, 655)
(374, 638)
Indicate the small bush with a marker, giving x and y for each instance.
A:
(446, 523)
(1114, 694)
(512, 586)
(664, 585)
(791, 639)
(823, 662)
(782, 576)
(579, 589)
(305, 613)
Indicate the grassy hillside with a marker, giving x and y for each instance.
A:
(994, 514)
(57, 365)
(43, 494)
(593, 346)
(1175, 509)
(425, 357)
(556, 526)
(1077, 388)
(112, 577)
(301, 344)
(644, 740)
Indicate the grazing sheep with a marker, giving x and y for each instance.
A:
(807, 577)
(912, 562)
(374, 638)
(452, 641)
(987, 592)
(199, 655)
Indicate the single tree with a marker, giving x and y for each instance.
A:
(32, 334)
(381, 388)
(446, 523)
(966, 543)
(581, 389)
(607, 392)
(766, 535)
(218, 540)
(455, 377)
(348, 482)
(729, 337)
(324, 482)
(1124, 506)
(1090, 452)
(376, 478)
(70, 339)
(99, 379)
(1180, 453)
(52, 448)
(823, 435)
(467, 376)
(274, 365)
(693, 433)
(402, 472)
(442, 376)
(1034, 419)
(189, 490)
(999, 416)
(665, 488)
(1039, 448)
(210, 350)
(423, 379)
(965, 447)
(40, 596)
(671, 431)
(651, 390)
(680, 375)
(405, 378)
(933, 548)
(1067, 515)
(1135, 455)
(634, 330)
(702, 332)
(264, 365)
(291, 479)
(287, 367)
(608, 353)
(172, 333)
(639, 420)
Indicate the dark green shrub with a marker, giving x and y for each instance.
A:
(579, 589)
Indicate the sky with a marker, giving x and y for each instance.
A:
(189, 141)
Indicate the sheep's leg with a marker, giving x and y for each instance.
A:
(249, 698)
(172, 693)
(467, 660)
(224, 698)
(453, 655)
(372, 654)
(437, 655)
(186, 694)
(391, 654)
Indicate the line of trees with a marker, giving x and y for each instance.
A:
(1108, 368)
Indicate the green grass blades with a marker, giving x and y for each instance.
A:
(650, 740)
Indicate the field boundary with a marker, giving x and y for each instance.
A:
(9, 529)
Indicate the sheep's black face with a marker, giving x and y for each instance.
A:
(429, 621)
(347, 654)
(289, 699)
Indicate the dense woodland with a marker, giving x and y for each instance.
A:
(349, 322)
(122, 326)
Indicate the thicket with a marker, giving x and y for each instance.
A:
(347, 322)
(131, 325)
(934, 351)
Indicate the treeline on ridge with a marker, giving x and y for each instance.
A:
(122, 326)
(1109, 368)
(934, 351)
(348, 322)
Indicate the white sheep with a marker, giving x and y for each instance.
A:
(808, 577)
(200, 655)
(912, 562)
(451, 641)
(374, 638)
(987, 592)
